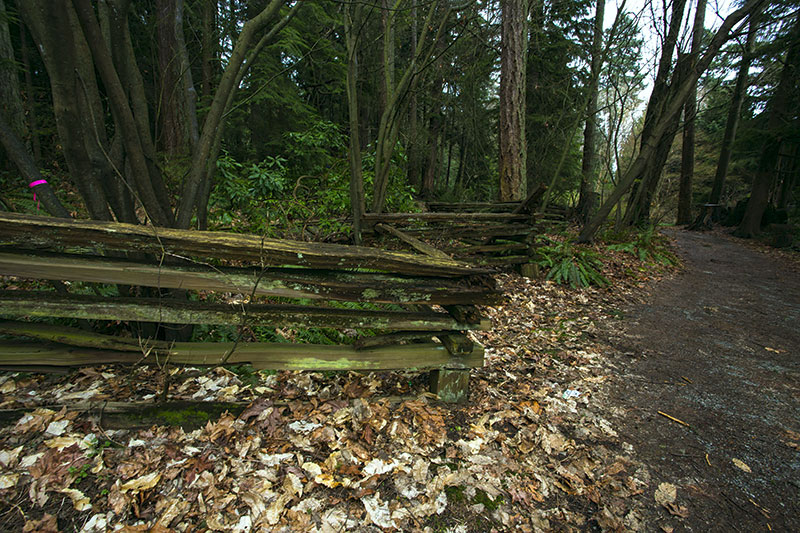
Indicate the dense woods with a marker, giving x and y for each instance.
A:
(297, 118)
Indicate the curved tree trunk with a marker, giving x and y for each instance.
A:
(781, 104)
(689, 112)
(76, 99)
(673, 107)
(734, 114)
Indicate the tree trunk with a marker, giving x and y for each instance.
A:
(673, 106)
(780, 106)
(357, 205)
(414, 152)
(154, 199)
(641, 196)
(177, 96)
(11, 109)
(689, 112)
(397, 100)
(734, 113)
(30, 95)
(587, 191)
(18, 153)
(513, 149)
(205, 157)
(76, 99)
(434, 134)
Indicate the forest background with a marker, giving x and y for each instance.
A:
(294, 118)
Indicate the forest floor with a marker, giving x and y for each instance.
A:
(561, 432)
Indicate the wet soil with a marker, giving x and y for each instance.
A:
(717, 347)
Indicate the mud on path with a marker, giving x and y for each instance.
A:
(717, 347)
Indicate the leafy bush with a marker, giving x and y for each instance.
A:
(570, 263)
(647, 245)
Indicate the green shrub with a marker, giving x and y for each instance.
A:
(567, 262)
(647, 245)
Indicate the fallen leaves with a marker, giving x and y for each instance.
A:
(142, 483)
(741, 465)
(321, 452)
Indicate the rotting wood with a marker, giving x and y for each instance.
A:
(450, 385)
(263, 356)
(471, 231)
(48, 304)
(457, 344)
(280, 282)
(31, 231)
(533, 198)
(466, 206)
(484, 248)
(77, 337)
(389, 339)
(498, 260)
(126, 415)
(441, 217)
(412, 241)
(468, 314)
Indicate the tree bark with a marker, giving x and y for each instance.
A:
(76, 98)
(734, 114)
(780, 107)
(673, 106)
(204, 159)
(434, 134)
(641, 196)
(587, 191)
(357, 205)
(30, 96)
(513, 149)
(155, 200)
(20, 155)
(11, 108)
(689, 112)
(210, 45)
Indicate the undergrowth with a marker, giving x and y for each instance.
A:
(570, 263)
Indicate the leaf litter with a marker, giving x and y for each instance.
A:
(532, 449)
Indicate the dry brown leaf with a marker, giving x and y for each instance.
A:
(142, 483)
(48, 524)
(741, 465)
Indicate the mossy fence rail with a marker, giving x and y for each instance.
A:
(410, 311)
(487, 234)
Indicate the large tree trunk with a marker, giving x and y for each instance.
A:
(434, 136)
(780, 106)
(11, 108)
(689, 112)
(19, 154)
(30, 97)
(513, 149)
(76, 101)
(177, 96)
(357, 204)
(674, 104)
(587, 191)
(641, 196)
(734, 114)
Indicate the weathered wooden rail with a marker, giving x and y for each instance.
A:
(487, 234)
(426, 302)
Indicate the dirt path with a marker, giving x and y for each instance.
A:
(717, 347)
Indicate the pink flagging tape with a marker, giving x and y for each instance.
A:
(34, 184)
